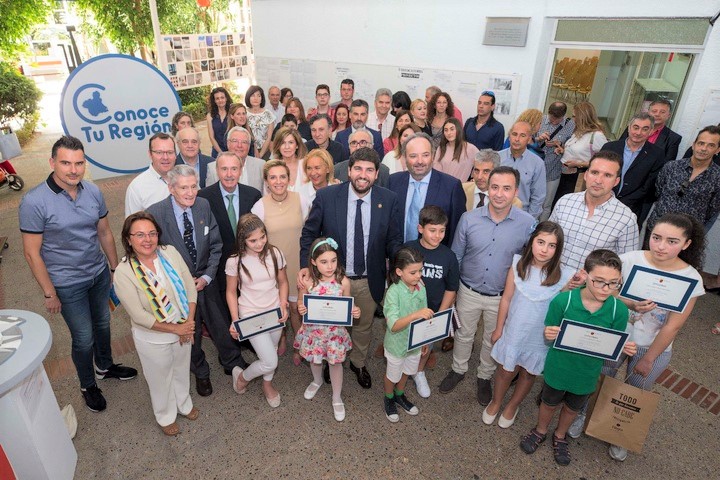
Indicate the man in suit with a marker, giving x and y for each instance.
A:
(358, 117)
(238, 141)
(662, 137)
(189, 143)
(364, 221)
(221, 195)
(320, 126)
(360, 139)
(421, 185)
(642, 162)
(188, 225)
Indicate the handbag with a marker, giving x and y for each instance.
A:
(9, 146)
(623, 414)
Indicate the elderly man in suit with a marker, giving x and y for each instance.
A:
(358, 118)
(360, 139)
(642, 162)
(238, 141)
(662, 137)
(188, 224)
(189, 144)
(422, 185)
(364, 221)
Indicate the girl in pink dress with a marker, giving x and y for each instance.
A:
(322, 342)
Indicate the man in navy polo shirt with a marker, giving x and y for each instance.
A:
(71, 251)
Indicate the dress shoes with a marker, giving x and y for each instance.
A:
(363, 376)
(203, 386)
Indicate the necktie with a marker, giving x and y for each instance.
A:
(188, 238)
(482, 200)
(413, 213)
(359, 243)
(231, 213)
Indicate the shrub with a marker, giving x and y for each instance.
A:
(19, 96)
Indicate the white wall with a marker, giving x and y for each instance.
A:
(448, 35)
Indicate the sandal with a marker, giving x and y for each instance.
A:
(193, 414)
(532, 441)
(716, 329)
(561, 451)
(171, 430)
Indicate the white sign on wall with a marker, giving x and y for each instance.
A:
(114, 104)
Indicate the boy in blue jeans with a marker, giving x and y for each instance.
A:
(570, 378)
(440, 274)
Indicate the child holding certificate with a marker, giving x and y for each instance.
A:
(324, 342)
(405, 302)
(519, 347)
(257, 283)
(571, 377)
(677, 242)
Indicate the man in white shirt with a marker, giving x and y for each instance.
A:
(275, 106)
(381, 119)
(151, 185)
(238, 142)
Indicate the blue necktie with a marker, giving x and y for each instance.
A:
(359, 243)
(413, 214)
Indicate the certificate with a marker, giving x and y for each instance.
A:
(423, 332)
(328, 310)
(590, 340)
(259, 323)
(668, 290)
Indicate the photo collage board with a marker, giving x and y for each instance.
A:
(196, 60)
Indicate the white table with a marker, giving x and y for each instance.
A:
(32, 431)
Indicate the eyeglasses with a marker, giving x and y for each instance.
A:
(163, 153)
(241, 142)
(143, 235)
(362, 143)
(488, 93)
(683, 186)
(602, 284)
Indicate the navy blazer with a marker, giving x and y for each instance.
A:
(638, 186)
(207, 236)
(328, 218)
(248, 197)
(204, 160)
(444, 191)
(343, 138)
(667, 141)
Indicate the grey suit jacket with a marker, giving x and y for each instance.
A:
(253, 167)
(341, 173)
(207, 235)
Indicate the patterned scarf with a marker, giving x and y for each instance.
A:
(162, 308)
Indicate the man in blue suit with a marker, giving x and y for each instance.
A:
(358, 117)
(421, 185)
(364, 221)
(188, 139)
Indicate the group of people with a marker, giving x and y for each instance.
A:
(450, 219)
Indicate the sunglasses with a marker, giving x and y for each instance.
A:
(488, 93)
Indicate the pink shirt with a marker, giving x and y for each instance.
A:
(259, 293)
(653, 138)
(314, 111)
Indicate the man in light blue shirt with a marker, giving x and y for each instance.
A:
(533, 184)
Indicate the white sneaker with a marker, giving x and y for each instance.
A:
(617, 453)
(421, 384)
(577, 426)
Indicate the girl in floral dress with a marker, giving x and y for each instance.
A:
(321, 342)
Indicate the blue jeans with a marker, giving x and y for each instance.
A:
(87, 314)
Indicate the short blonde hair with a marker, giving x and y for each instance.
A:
(323, 155)
(272, 164)
(533, 116)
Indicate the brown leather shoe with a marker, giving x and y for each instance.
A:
(448, 344)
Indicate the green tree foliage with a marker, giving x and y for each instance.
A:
(17, 19)
(19, 96)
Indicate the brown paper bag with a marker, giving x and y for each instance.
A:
(622, 414)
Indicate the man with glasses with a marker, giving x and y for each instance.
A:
(592, 220)
(358, 118)
(189, 143)
(71, 252)
(483, 130)
(151, 185)
(187, 223)
(361, 139)
(238, 141)
(322, 96)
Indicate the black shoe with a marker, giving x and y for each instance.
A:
(94, 399)
(484, 391)
(116, 370)
(406, 405)
(203, 386)
(450, 381)
(326, 372)
(561, 451)
(363, 377)
(391, 410)
(379, 312)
